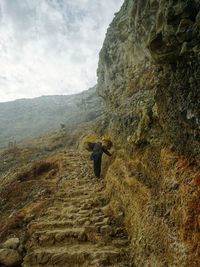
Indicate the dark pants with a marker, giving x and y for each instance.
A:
(97, 164)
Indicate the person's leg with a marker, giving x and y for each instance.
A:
(97, 166)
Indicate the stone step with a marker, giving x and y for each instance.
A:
(100, 218)
(47, 225)
(79, 190)
(56, 236)
(81, 208)
(85, 255)
(72, 199)
(55, 217)
(75, 230)
(70, 216)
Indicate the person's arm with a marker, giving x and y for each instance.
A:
(106, 151)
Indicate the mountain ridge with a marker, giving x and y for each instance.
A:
(24, 118)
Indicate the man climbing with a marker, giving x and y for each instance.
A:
(96, 156)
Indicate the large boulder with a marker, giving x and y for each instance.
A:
(10, 257)
(12, 243)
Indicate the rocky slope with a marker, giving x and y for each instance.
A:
(149, 77)
(32, 117)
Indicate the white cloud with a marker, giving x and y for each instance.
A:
(51, 46)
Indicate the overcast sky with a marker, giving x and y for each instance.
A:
(51, 46)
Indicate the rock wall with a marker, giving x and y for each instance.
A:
(149, 78)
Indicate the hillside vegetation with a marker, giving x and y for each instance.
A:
(27, 118)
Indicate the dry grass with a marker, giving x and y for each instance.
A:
(160, 200)
(15, 224)
(25, 188)
(38, 169)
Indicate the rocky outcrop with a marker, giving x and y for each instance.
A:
(149, 77)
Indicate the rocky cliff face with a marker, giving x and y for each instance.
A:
(149, 77)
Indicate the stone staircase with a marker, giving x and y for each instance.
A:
(75, 230)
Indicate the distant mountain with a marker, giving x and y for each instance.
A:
(25, 118)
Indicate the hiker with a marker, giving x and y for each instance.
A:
(96, 156)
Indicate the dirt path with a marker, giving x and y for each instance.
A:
(75, 230)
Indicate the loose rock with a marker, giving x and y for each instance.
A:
(10, 257)
(11, 243)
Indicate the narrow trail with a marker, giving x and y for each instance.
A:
(75, 230)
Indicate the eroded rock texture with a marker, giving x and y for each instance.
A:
(149, 77)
